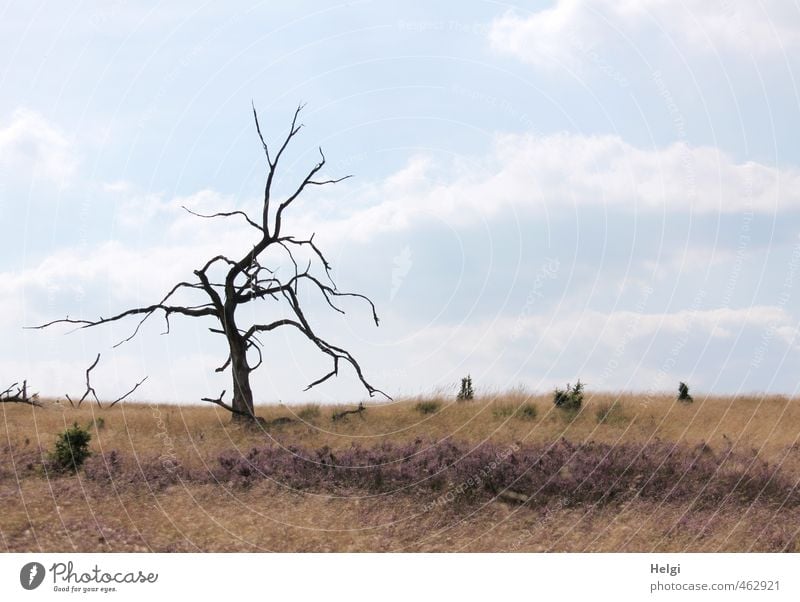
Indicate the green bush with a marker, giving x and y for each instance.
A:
(683, 393)
(569, 398)
(71, 449)
(466, 392)
(527, 411)
(427, 407)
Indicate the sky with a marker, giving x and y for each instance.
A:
(543, 191)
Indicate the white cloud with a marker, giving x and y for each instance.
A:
(563, 343)
(29, 144)
(567, 33)
(610, 329)
(610, 349)
(672, 262)
(526, 173)
(153, 210)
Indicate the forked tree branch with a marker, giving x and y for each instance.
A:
(89, 388)
(308, 180)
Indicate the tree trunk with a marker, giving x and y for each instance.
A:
(242, 393)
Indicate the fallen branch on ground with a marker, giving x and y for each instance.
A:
(20, 396)
(343, 414)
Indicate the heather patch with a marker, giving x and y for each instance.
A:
(459, 473)
(573, 473)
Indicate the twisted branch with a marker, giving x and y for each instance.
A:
(20, 395)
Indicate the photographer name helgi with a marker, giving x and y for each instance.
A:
(69, 580)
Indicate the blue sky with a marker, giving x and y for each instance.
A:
(543, 192)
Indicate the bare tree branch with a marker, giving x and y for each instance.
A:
(258, 129)
(89, 388)
(255, 345)
(20, 395)
(218, 401)
(336, 353)
(292, 133)
(273, 165)
(309, 179)
(225, 365)
(310, 242)
(197, 311)
(327, 291)
(136, 386)
(226, 214)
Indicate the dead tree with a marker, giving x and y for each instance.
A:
(229, 283)
(20, 395)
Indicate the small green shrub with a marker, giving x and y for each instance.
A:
(503, 411)
(98, 423)
(569, 398)
(683, 393)
(466, 392)
(427, 407)
(71, 449)
(527, 412)
(308, 413)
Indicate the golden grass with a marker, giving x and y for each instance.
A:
(769, 424)
(71, 513)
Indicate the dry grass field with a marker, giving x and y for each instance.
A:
(183, 478)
